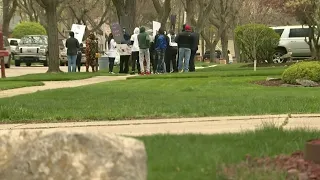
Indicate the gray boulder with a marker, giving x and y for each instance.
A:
(72, 156)
(307, 83)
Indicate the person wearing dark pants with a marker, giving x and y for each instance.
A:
(124, 58)
(79, 57)
(172, 53)
(124, 64)
(153, 57)
(135, 51)
(112, 45)
(111, 64)
(161, 44)
(135, 61)
(192, 59)
(194, 51)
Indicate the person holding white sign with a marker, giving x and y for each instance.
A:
(72, 45)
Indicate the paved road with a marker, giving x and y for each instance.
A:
(19, 71)
(205, 125)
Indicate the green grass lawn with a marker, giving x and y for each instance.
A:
(5, 85)
(201, 157)
(159, 98)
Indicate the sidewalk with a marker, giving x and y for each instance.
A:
(60, 84)
(205, 125)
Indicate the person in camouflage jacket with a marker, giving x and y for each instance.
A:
(91, 50)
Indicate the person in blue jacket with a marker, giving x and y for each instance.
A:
(161, 45)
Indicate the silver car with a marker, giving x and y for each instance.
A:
(32, 49)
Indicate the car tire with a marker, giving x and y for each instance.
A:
(28, 64)
(17, 63)
(277, 54)
(9, 62)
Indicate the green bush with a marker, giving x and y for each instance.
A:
(259, 38)
(28, 28)
(302, 70)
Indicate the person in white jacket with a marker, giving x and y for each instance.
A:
(112, 52)
(135, 51)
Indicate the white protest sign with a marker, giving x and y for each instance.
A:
(124, 49)
(156, 27)
(78, 31)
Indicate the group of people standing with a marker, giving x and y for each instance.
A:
(160, 52)
(166, 53)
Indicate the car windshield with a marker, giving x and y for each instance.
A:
(34, 40)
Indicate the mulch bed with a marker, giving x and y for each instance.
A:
(269, 83)
(294, 165)
(276, 83)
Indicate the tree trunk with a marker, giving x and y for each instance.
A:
(127, 16)
(224, 44)
(5, 26)
(212, 47)
(7, 14)
(51, 13)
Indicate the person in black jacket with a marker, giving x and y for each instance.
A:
(79, 57)
(194, 51)
(185, 42)
(124, 59)
(172, 50)
(72, 45)
(183, 30)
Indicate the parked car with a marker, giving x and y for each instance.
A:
(292, 43)
(13, 45)
(6, 46)
(64, 60)
(32, 49)
(63, 54)
(206, 55)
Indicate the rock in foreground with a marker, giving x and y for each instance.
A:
(72, 156)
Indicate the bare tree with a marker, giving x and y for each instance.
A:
(30, 8)
(126, 11)
(89, 13)
(9, 8)
(198, 12)
(224, 12)
(163, 9)
(50, 7)
(145, 16)
(197, 16)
